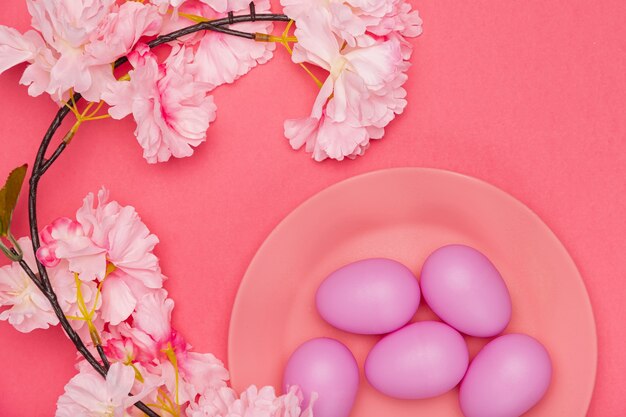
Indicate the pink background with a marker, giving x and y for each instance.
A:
(529, 96)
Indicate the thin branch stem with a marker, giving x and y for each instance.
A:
(32, 275)
(42, 165)
(103, 356)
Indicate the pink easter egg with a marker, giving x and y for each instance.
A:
(326, 367)
(466, 291)
(422, 360)
(371, 296)
(507, 378)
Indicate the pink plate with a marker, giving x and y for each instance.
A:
(405, 214)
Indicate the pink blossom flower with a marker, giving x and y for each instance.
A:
(171, 109)
(109, 243)
(153, 316)
(16, 48)
(401, 19)
(152, 342)
(128, 248)
(360, 22)
(222, 59)
(324, 137)
(118, 348)
(214, 403)
(164, 5)
(76, 44)
(353, 71)
(254, 402)
(28, 308)
(127, 240)
(257, 402)
(290, 404)
(121, 29)
(361, 95)
(22, 303)
(224, 6)
(150, 333)
(66, 26)
(362, 44)
(197, 373)
(89, 395)
(30, 47)
(219, 58)
(346, 20)
(65, 239)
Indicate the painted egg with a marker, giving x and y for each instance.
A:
(326, 367)
(421, 360)
(507, 378)
(466, 291)
(371, 296)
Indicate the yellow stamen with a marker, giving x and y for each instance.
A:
(171, 356)
(110, 268)
(85, 116)
(95, 303)
(193, 17)
(287, 28)
(84, 113)
(138, 375)
(284, 39)
(163, 400)
(93, 113)
(86, 314)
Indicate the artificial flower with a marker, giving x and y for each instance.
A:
(324, 137)
(222, 59)
(108, 243)
(253, 402)
(360, 22)
(65, 239)
(89, 395)
(26, 308)
(152, 342)
(16, 48)
(164, 5)
(149, 357)
(361, 95)
(194, 374)
(151, 332)
(171, 109)
(127, 240)
(291, 404)
(75, 43)
(23, 305)
(219, 58)
(30, 47)
(214, 403)
(121, 29)
(133, 268)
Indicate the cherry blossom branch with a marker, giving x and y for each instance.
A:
(213, 25)
(42, 164)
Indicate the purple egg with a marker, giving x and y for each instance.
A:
(327, 367)
(466, 291)
(371, 296)
(422, 360)
(507, 378)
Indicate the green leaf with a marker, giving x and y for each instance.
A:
(8, 197)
